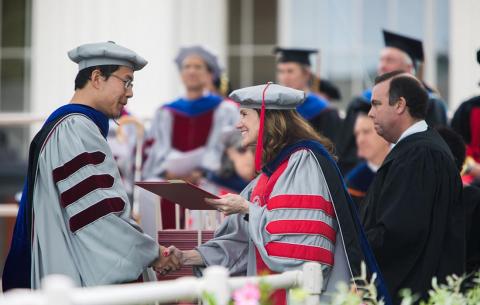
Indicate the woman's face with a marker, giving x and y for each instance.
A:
(248, 126)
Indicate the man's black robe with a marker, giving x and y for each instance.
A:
(414, 218)
(471, 202)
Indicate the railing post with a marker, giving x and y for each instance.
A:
(57, 289)
(216, 285)
(312, 282)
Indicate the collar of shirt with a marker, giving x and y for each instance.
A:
(374, 168)
(419, 126)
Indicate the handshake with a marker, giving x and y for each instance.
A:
(169, 260)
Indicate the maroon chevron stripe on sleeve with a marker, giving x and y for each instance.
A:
(84, 187)
(95, 212)
(62, 172)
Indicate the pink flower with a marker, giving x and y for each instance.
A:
(247, 295)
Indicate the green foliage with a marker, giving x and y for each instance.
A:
(208, 298)
(265, 293)
(453, 292)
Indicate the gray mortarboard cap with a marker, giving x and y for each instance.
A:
(106, 53)
(276, 97)
(210, 59)
(413, 47)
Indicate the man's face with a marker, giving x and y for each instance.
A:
(194, 72)
(383, 114)
(369, 144)
(392, 59)
(293, 75)
(114, 95)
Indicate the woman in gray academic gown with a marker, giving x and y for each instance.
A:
(295, 210)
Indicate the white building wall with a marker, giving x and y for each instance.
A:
(155, 29)
(464, 43)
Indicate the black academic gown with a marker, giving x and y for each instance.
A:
(436, 111)
(414, 218)
(345, 144)
(471, 201)
(327, 123)
(461, 121)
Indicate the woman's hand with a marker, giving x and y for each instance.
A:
(229, 204)
(168, 260)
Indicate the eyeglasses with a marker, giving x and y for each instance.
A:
(128, 83)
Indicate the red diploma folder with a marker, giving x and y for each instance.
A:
(181, 192)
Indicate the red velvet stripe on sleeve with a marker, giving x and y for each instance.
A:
(84, 187)
(303, 252)
(62, 172)
(96, 211)
(312, 202)
(314, 227)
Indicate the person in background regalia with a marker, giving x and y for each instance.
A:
(373, 149)
(400, 53)
(294, 71)
(184, 141)
(328, 90)
(466, 121)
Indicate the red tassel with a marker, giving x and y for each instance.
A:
(259, 148)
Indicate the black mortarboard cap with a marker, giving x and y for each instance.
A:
(413, 47)
(478, 56)
(301, 56)
(329, 89)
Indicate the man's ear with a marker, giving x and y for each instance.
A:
(401, 105)
(306, 70)
(96, 77)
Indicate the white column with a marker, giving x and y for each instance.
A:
(357, 46)
(154, 29)
(464, 43)
(284, 22)
(430, 73)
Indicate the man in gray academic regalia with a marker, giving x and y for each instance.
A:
(74, 217)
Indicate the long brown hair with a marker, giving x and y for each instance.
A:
(286, 127)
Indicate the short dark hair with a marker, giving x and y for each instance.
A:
(362, 107)
(83, 75)
(408, 87)
(455, 143)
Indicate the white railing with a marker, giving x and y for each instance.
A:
(20, 118)
(26, 119)
(8, 210)
(59, 290)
